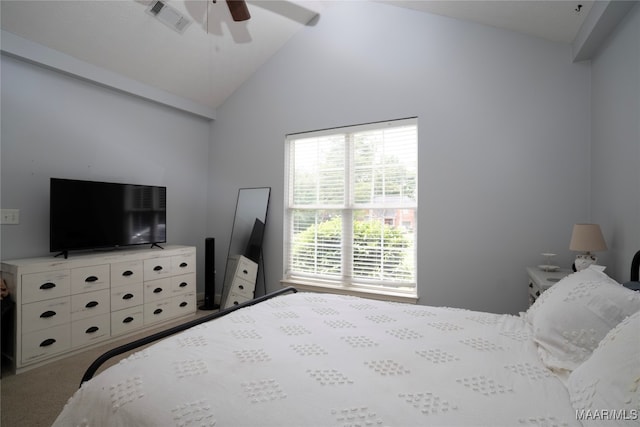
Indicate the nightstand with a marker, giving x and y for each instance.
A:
(540, 281)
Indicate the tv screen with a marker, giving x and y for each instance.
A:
(89, 215)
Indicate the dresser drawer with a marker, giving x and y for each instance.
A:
(235, 298)
(156, 268)
(126, 296)
(127, 320)
(90, 304)
(45, 314)
(243, 287)
(155, 290)
(246, 269)
(42, 344)
(86, 279)
(125, 273)
(183, 264)
(184, 304)
(182, 284)
(47, 285)
(90, 330)
(158, 311)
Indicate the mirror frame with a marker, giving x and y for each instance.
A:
(252, 203)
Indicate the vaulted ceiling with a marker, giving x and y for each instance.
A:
(215, 55)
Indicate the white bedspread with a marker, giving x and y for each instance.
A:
(326, 360)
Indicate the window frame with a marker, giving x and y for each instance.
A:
(345, 283)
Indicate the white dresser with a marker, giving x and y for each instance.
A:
(63, 305)
(241, 274)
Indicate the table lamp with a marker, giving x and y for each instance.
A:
(586, 238)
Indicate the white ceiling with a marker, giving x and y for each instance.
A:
(215, 55)
(555, 20)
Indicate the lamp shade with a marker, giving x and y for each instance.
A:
(587, 238)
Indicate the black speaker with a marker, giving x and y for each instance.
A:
(209, 275)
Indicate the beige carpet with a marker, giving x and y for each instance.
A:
(36, 397)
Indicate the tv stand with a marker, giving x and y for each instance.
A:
(156, 245)
(65, 253)
(66, 306)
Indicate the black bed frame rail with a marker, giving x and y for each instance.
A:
(91, 371)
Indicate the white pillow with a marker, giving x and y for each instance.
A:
(606, 388)
(570, 319)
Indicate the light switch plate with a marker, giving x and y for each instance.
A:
(10, 216)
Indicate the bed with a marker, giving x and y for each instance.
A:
(308, 359)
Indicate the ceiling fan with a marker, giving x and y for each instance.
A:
(172, 17)
(292, 9)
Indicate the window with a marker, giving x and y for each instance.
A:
(350, 218)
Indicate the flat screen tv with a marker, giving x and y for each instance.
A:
(254, 246)
(98, 215)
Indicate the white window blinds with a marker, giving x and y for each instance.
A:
(351, 205)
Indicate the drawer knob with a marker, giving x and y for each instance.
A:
(47, 342)
(240, 286)
(91, 330)
(127, 296)
(127, 273)
(183, 304)
(91, 279)
(236, 303)
(183, 264)
(48, 285)
(157, 311)
(245, 271)
(91, 304)
(127, 319)
(157, 290)
(48, 314)
(157, 268)
(183, 284)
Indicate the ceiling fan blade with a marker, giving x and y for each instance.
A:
(304, 12)
(239, 10)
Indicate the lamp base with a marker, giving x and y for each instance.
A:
(584, 260)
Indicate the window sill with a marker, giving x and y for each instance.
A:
(310, 286)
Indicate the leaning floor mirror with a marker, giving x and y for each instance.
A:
(245, 246)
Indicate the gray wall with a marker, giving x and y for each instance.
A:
(615, 158)
(503, 140)
(510, 153)
(61, 126)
